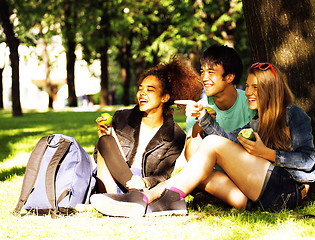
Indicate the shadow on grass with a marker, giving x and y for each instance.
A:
(203, 205)
(75, 124)
(79, 125)
(5, 141)
(8, 174)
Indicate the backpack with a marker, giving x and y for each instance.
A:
(58, 176)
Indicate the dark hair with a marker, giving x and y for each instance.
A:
(225, 56)
(179, 80)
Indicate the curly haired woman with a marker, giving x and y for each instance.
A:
(139, 149)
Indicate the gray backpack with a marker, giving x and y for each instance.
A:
(58, 176)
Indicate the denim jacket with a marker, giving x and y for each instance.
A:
(299, 161)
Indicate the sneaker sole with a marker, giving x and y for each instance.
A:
(110, 207)
(166, 213)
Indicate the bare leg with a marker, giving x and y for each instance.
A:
(246, 171)
(221, 186)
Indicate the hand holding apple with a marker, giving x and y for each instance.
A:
(247, 133)
(208, 109)
(107, 118)
(104, 126)
(211, 112)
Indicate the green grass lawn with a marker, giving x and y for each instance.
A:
(18, 137)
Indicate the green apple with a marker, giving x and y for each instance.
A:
(108, 118)
(247, 133)
(208, 109)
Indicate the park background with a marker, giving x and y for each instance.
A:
(60, 59)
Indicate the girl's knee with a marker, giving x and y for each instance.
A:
(213, 141)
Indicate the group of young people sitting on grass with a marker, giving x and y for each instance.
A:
(136, 154)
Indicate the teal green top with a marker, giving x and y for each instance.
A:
(235, 117)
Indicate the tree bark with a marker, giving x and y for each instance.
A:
(71, 57)
(124, 60)
(1, 88)
(13, 44)
(104, 76)
(282, 32)
(51, 89)
(105, 33)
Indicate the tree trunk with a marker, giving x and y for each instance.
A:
(124, 60)
(71, 57)
(13, 44)
(281, 32)
(140, 61)
(72, 98)
(1, 88)
(51, 89)
(104, 76)
(105, 33)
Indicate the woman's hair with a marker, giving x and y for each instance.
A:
(177, 79)
(274, 95)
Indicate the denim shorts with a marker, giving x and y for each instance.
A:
(281, 191)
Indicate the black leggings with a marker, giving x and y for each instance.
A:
(115, 162)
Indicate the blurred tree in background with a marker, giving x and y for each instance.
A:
(127, 36)
(13, 43)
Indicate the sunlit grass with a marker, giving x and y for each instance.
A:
(18, 137)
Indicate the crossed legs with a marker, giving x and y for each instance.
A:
(243, 178)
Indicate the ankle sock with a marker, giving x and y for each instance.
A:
(182, 195)
(145, 198)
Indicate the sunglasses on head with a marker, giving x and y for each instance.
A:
(264, 67)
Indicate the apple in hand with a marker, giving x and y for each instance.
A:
(107, 118)
(247, 133)
(208, 109)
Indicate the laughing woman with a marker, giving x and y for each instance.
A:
(139, 149)
(273, 171)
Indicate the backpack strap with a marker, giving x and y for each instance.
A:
(31, 171)
(51, 172)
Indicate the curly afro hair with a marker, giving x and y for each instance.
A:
(178, 79)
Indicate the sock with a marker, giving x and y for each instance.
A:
(182, 195)
(145, 198)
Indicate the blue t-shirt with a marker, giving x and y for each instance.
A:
(235, 117)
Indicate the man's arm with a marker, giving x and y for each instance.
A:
(193, 142)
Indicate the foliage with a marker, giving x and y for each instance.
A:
(155, 29)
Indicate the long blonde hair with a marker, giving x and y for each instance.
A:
(274, 95)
